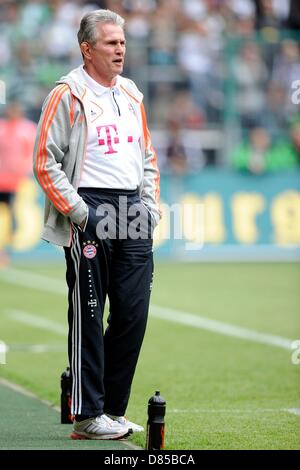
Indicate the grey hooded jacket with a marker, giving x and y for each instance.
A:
(59, 154)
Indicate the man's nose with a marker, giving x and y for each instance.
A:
(119, 49)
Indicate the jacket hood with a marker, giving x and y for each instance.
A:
(73, 80)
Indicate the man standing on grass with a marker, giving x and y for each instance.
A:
(94, 160)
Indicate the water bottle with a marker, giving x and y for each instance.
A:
(156, 422)
(65, 397)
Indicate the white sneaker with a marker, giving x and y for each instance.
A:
(129, 424)
(101, 427)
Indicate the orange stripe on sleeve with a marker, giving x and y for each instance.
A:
(40, 154)
(44, 177)
(65, 207)
(72, 110)
(61, 202)
(46, 114)
(144, 120)
(154, 158)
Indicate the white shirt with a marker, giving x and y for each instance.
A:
(113, 154)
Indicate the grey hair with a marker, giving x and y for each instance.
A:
(88, 32)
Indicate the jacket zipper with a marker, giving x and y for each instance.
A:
(114, 98)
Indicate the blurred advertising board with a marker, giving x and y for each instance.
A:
(214, 215)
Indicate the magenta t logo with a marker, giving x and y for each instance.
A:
(105, 137)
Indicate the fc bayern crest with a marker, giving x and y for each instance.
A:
(90, 251)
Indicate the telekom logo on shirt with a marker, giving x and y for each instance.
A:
(108, 135)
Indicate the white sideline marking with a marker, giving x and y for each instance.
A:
(295, 411)
(217, 326)
(37, 321)
(33, 281)
(27, 393)
(44, 283)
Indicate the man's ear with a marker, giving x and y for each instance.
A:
(85, 48)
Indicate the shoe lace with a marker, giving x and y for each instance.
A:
(104, 419)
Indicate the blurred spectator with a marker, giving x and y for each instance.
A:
(259, 154)
(17, 135)
(184, 110)
(275, 117)
(295, 140)
(24, 81)
(245, 9)
(240, 18)
(137, 27)
(60, 34)
(163, 33)
(267, 17)
(176, 156)
(33, 15)
(251, 74)
(287, 70)
(268, 23)
(184, 153)
(210, 63)
(252, 155)
(282, 9)
(293, 19)
(8, 32)
(199, 48)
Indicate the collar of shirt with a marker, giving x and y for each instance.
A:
(96, 87)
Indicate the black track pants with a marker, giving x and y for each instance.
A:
(103, 364)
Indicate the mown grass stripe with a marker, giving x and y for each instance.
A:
(44, 283)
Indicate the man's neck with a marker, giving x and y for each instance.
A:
(106, 82)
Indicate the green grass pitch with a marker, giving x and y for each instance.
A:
(222, 392)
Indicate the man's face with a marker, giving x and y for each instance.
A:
(105, 59)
